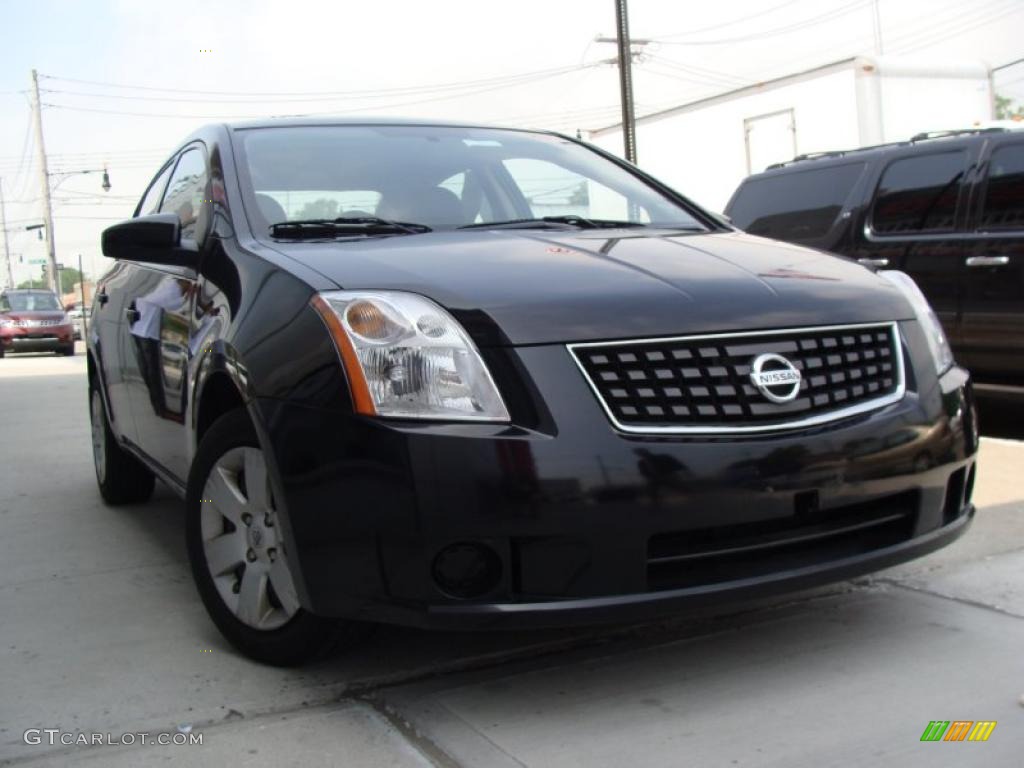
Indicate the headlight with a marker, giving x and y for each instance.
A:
(406, 357)
(937, 341)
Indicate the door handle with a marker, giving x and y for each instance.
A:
(102, 297)
(987, 261)
(874, 262)
(132, 314)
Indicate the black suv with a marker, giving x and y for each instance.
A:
(946, 208)
(455, 376)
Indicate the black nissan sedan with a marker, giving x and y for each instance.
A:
(463, 377)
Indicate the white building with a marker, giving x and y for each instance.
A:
(705, 148)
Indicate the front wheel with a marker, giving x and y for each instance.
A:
(68, 351)
(240, 561)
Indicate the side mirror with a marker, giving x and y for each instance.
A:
(155, 239)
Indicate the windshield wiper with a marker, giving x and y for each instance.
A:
(360, 225)
(543, 221)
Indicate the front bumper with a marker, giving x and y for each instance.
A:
(42, 339)
(590, 525)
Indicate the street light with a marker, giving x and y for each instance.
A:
(47, 226)
(65, 175)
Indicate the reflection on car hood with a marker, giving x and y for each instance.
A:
(543, 287)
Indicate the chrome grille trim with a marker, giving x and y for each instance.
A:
(816, 419)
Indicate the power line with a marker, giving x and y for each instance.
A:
(368, 93)
(677, 77)
(353, 110)
(712, 73)
(18, 178)
(723, 24)
(962, 29)
(704, 76)
(937, 26)
(783, 30)
(852, 44)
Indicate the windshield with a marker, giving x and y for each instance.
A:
(440, 177)
(28, 302)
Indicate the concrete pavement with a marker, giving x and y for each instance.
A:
(101, 630)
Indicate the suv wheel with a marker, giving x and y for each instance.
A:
(121, 477)
(68, 351)
(239, 558)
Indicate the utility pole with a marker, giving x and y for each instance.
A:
(877, 28)
(625, 61)
(3, 225)
(625, 79)
(44, 180)
(85, 307)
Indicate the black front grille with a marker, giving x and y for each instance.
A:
(704, 384)
(808, 538)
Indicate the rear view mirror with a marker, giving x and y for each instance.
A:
(155, 239)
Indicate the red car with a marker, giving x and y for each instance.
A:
(34, 321)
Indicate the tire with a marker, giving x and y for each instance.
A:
(68, 351)
(121, 477)
(239, 564)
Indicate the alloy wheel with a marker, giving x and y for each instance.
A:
(242, 543)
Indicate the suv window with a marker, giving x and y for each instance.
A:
(186, 190)
(919, 194)
(801, 205)
(1004, 194)
(151, 200)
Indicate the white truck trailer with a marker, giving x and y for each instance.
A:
(705, 148)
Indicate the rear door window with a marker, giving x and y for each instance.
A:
(795, 206)
(919, 194)
(1003, 207)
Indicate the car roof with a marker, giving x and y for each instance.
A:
(922, 141)
(326, 120)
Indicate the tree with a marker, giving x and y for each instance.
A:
(1005, 109)
(36, 282)
(69, 276)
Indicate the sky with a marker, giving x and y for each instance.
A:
(123, 81)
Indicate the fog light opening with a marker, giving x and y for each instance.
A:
(467, 569)
(969, 490)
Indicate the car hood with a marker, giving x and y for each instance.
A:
(541, 287)
(34, 315)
